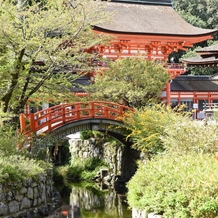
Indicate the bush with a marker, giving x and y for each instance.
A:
(190, 135)
(14, 161)
(180, 186)
(10, 141)
(148, 125)
(79, 170)
(86, 134)
(13, 168)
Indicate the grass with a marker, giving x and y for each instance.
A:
(16, 167)
(79, 170)
(15, 163)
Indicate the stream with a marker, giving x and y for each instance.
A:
(88, 200)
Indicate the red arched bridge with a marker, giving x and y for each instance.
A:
(69, 118)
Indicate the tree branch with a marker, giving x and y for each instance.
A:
(7, 97)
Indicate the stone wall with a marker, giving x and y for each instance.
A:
(32, 198)
(108, 152)
(121, 160)
(142, 214)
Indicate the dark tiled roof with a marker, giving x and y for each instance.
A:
(153, 2)
(212, 48)
(199, 60)
(194, 83)
(149, 19)
(82, 81)
(207, 56)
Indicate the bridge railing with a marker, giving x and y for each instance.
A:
(46, 120)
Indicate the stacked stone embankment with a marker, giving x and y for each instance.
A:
(32, 198)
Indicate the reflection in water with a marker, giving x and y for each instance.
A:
(91, 202)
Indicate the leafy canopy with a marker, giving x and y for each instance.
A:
(200, 13)
(131, 81)
(203, 14)
(43, 47)
(181, 185)
(147, 126)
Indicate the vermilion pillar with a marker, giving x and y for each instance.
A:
(168, 93)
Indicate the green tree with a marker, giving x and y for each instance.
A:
(130, 81)
(147, 126)
(199, 13)
(43, 49)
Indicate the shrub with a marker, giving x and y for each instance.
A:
(10, 141)
(16, 167)
(148, 125)
(14, 161)
(190, 135)
(177, 186)
(41, 147)
(84, 169)
(86, 134)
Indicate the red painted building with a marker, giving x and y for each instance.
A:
(154, 29)
(199, 90)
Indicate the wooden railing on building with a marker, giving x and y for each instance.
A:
(210, 109)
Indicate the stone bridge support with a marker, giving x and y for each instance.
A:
(120, 158)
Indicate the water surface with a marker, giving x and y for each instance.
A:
(85, 200)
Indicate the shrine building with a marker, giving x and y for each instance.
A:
(200, 90)
(153, 28)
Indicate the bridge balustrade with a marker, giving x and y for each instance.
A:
(46, 120)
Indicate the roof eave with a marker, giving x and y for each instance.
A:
(200, 63)
(143, 2)
(206, 33)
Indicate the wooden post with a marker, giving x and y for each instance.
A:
(209, 97)
(168, 93)
(22, 123)
(49, 120)
(92, 109)
(64, 113)
(32, 123)
(179, 98)
(77, 107)
(195, 98)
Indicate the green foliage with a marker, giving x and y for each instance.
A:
(39, 40)
(87, 134)
(148, 125)
(10, 142)
(16, 167)
(79, 169)
(200, 13)
(203, 14)
(177, 186)
(184, 136)
(60, 173)
(181, 181)
(131, 81)
(15, 163)
(160, 128)
(41, 147)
